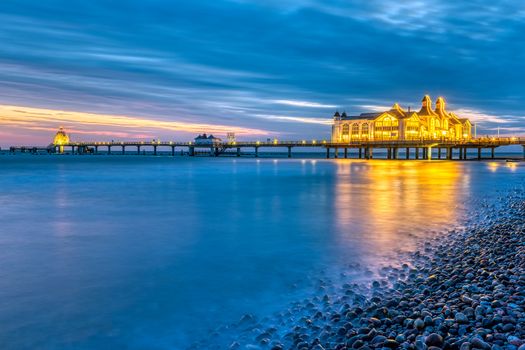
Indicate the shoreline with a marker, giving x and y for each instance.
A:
(462, 291)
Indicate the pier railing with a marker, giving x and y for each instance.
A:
(496, 141)
(365, 147)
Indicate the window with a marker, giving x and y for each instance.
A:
(386, 129)
(412, 130)
(345, 130)
(364, 129)
(355, 129)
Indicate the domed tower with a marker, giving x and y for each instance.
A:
(440, 105)
(61, 139)
(426, 106)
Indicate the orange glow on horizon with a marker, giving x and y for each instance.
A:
(27, 119)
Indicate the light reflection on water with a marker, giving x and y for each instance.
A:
(389, 199)
(133, 252)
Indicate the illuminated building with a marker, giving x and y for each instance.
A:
(207, 140)
(398, 124)
(61, 139)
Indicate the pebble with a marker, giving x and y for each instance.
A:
(464, 290)
(434, 339)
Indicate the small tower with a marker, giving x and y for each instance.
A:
(440, 105)
(426, 102)
(426, 106)
(337, 116)
(61, 139)
(231, 137)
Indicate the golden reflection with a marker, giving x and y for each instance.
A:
(384, 200)
(512, 166)
(493, 166)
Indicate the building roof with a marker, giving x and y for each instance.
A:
(368, 116)
(426, 106)
(205, 137)
(399, 113)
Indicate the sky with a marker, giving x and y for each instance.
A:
(159, 69)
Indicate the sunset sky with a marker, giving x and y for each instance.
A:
(274, 68)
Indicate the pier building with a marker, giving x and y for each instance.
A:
(207, 140)
(397, 124)
(61, 138)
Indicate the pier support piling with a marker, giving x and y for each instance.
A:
(439, 152)
(173, 151)
(109, 149)
(479, 153)
(155, 150)
(256, 152)
(123, 149)
(407, 153)
(238, 151)
(289, 151)
(369, 153)
(429, 153)
(346, 153)
(492, 152)
(327, 152)
(360, 153)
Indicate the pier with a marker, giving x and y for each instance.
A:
(403, 149)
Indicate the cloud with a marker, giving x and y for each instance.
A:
(303, 104)
(103, 125)
(243, 59)
(476, 116)
(284, 118)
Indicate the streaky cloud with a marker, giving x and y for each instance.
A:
(102, 125)
(284, 118)
(306, 104)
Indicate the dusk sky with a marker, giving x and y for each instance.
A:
(274, 68)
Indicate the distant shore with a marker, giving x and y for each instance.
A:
(461, 291)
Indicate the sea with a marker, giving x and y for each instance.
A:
(145, 252)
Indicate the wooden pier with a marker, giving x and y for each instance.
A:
(406, 149)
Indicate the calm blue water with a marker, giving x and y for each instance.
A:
(129, 252)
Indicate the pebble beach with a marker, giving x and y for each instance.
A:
(462, 290)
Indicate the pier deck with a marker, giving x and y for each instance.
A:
(408, 149)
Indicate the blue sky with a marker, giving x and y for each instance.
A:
(260, 68)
